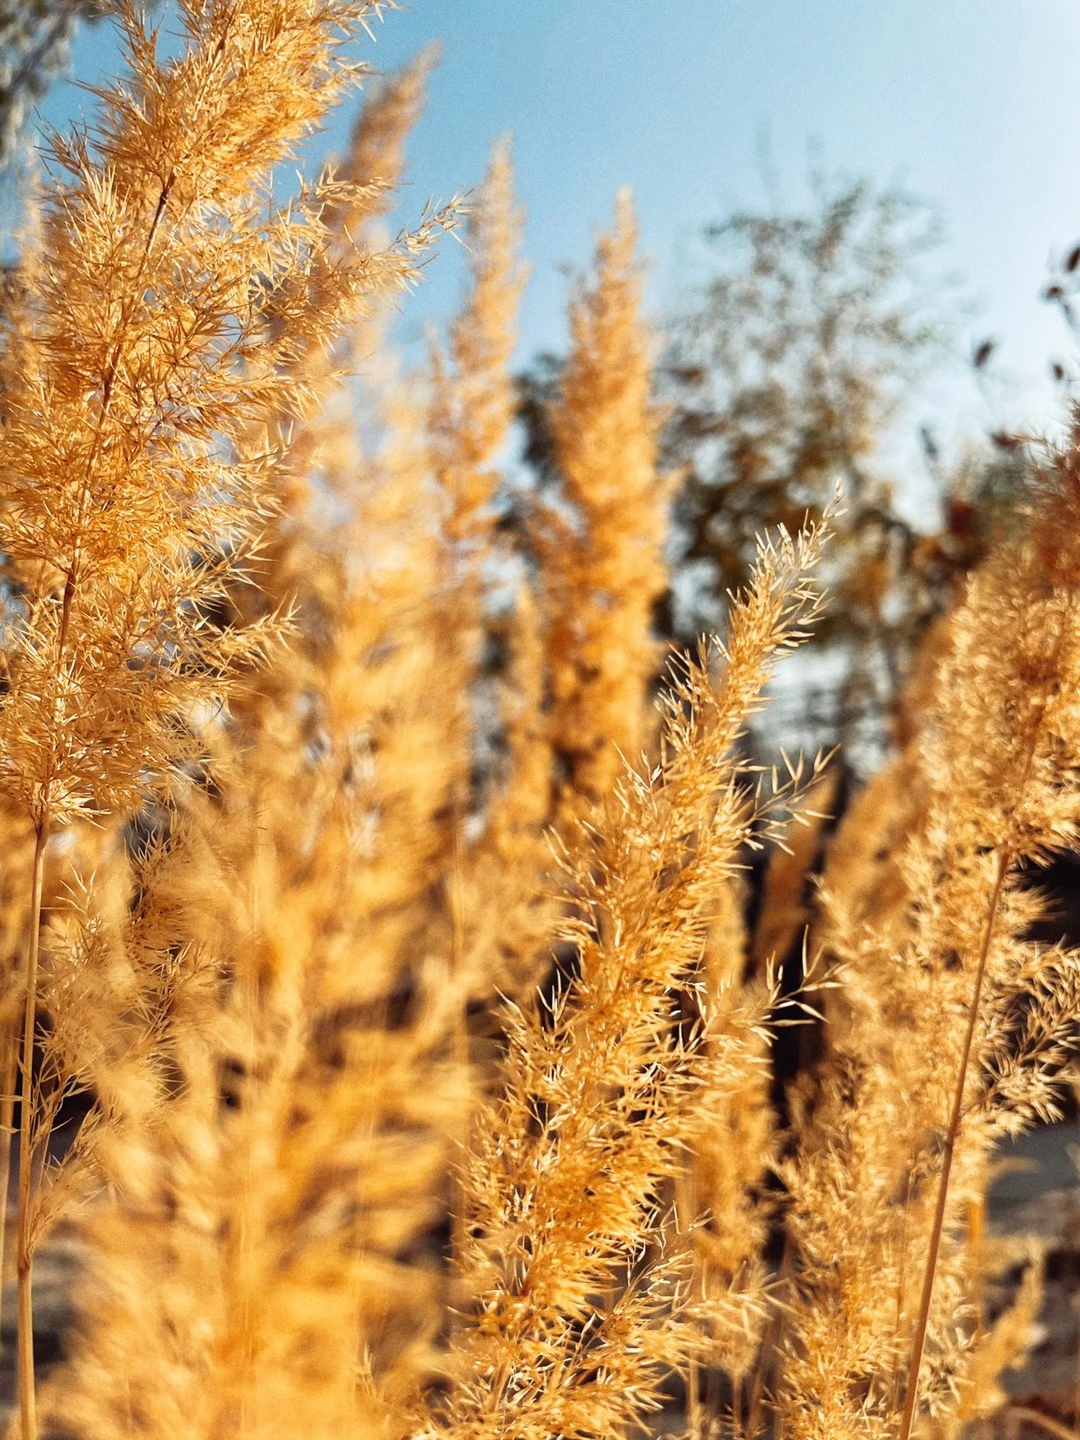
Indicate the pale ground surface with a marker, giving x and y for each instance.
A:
(1038, 1195)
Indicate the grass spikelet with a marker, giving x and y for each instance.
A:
(602, 564)
(132, 482)
(302, 1161)
(957, 1024)
(375, 159)
(319, 450)
(293, 1157)
(472, 405)
(565, 1185)
(726, 1182)
(474, 401)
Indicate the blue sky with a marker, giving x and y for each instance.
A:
(972, 104)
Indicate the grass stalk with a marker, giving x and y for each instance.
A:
(1004, 859)
(9, 1071)
(922, 1320)
(1040, 1421)
(25, 1340)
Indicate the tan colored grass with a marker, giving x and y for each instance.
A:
(603, 560)
(409, 1116)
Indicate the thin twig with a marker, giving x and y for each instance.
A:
(9, 1071)
(929, 1274)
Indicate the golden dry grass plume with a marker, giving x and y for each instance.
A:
(420, 1042)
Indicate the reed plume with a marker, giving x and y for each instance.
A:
(375, 159)
(287, 1175)
(603, 1086)
(318, 448)
(472, 407)
(132, 472)
(474, 401)
(957, 1024)
(302, 1163)
(496, 917)
(603, 564)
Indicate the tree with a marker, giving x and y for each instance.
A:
(785, 374)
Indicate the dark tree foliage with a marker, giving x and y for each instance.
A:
(784, 376)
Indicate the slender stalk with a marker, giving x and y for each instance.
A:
(929, 1274)
(1004, 858)
(771, 1342)
(25, 1358)
(1042, 1422)
(24, 1247)
(9, 1074)
(693, 1400)
(901, 1283)
(9, 1070)
(460, 1042)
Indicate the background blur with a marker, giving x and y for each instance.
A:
(720, 105)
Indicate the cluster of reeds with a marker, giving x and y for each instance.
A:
(376, 892)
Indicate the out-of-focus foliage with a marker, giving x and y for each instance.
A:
(786, 375)
(35, 36)
(791, 363)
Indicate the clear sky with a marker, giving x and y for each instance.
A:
(972, 104)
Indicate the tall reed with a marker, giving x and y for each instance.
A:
(406, 1116)
(956, 1025)
(602, 558)
(133, 480)
(565, 1186)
